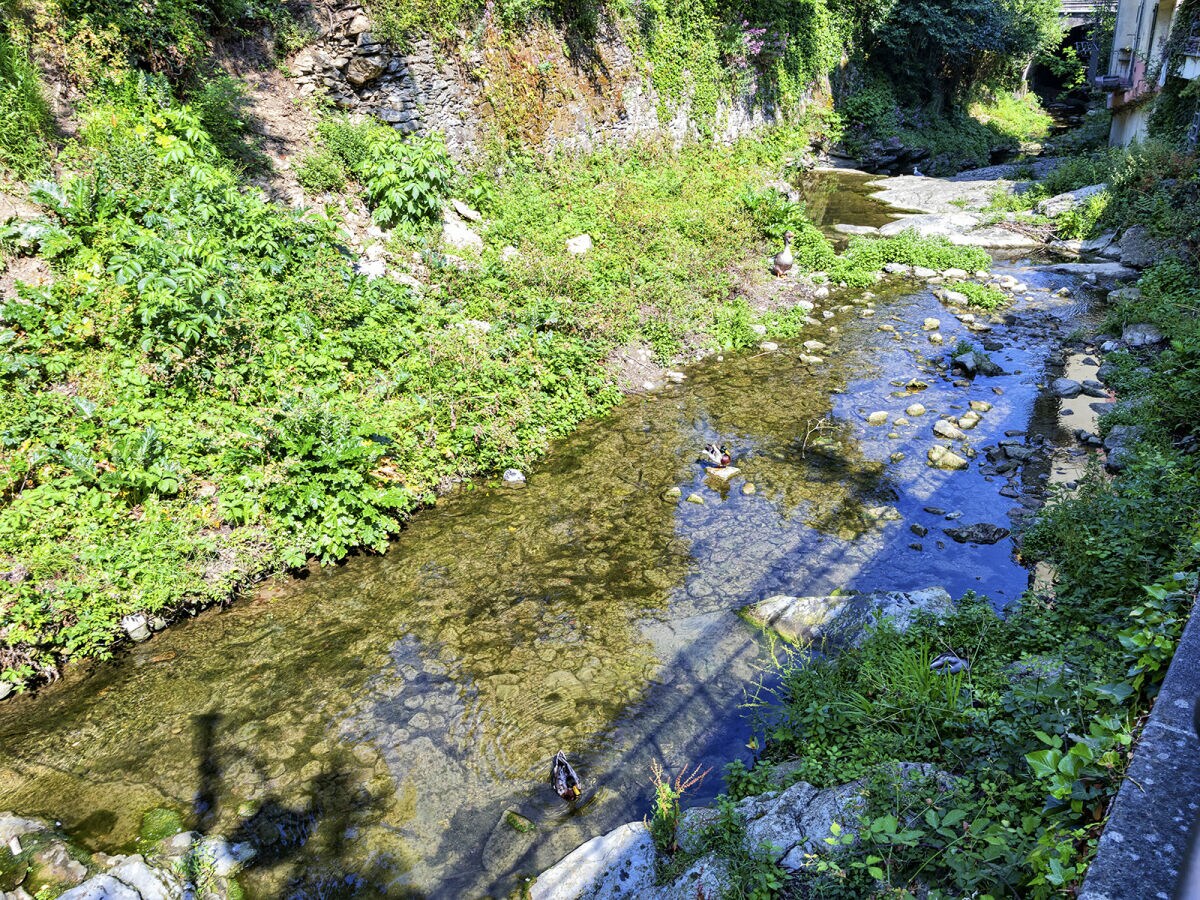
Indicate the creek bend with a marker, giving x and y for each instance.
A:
(368, 726)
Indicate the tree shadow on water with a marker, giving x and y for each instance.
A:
(304, 848)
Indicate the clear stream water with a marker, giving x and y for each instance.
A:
(368, 726)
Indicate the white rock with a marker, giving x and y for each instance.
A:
(513, 476)
(457, 235)
(768, 346)
(102, 887)
(931, 325)
(945, 429)
(1142, 335)
(1060, 203)
(804, 619)
(465, 211)
(225, 858)
(13, 827)
(371, 268)
(150, 883)
(614, 866)
(579, 245)
(137, 626)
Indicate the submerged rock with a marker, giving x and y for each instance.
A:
(979, 533)
(943, 458)
(843, 616)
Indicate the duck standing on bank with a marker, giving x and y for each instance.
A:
(783, 259)
(563, 778)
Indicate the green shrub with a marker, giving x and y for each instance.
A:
(1081, 221)
(981, 296)
(406, 179)
(220, 104)
(25, 123)
(321, 171)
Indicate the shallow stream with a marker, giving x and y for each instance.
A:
(368, 726)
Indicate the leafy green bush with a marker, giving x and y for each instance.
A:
(1081, 221)
(25, 123)
(321, 171)
(406, 178)
(318, 485)
(981, 296)
(219, 103)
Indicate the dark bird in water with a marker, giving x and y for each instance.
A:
(563, 778)
(715, 456)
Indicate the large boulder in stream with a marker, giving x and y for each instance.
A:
(843, 618)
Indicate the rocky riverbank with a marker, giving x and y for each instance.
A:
(791, 821)
(37, 861)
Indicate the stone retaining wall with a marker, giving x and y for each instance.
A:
(538, 90)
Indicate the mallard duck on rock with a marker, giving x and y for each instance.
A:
(783, 259)
(566, 783)
(715, 456)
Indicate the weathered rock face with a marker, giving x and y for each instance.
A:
(1138, 248)
(532, 90)
(1142, 334)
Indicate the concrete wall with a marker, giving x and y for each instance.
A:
(1140, 35)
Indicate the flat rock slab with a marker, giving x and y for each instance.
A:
(842, 616)
(994, 238)
(936, 195)
(614, 866)
(930, 225)
(1111, 270)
